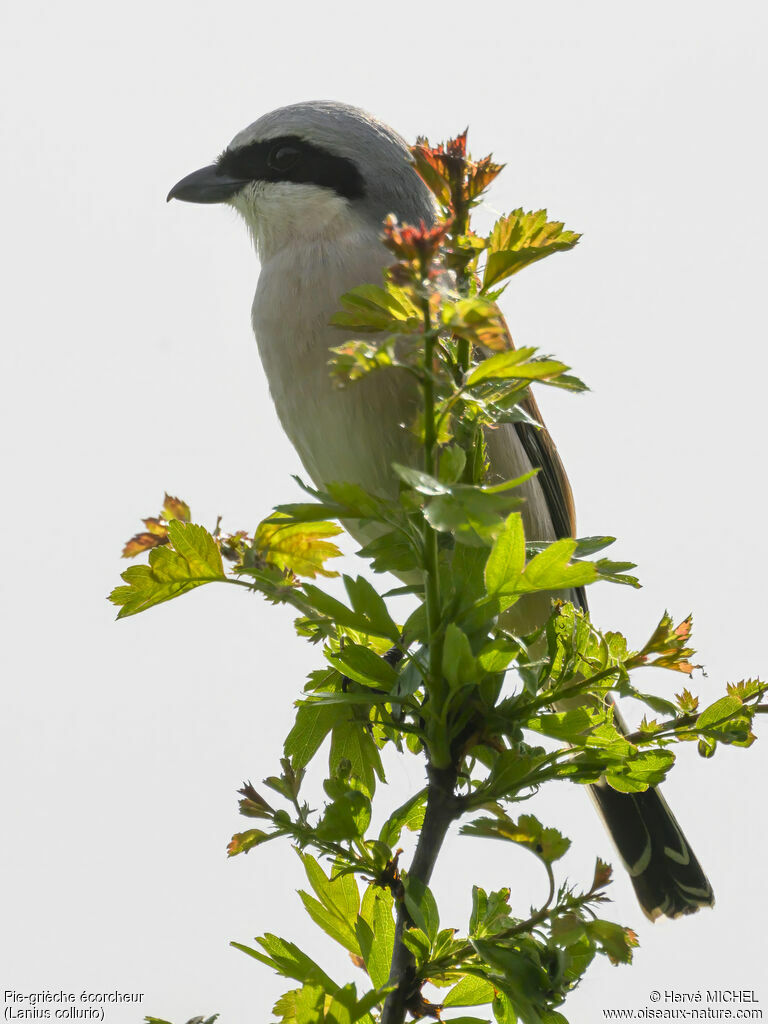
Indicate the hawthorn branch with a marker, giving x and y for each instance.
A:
(443, 807)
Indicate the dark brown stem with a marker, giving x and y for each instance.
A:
(443, 807)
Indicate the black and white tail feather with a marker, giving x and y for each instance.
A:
(666, 875)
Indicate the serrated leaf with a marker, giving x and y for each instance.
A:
(553, 569)
(470, 991)
(422, 907)
(312, 725)
(366, 601)
(346, 818)
(507, 558)
(370, 307)
(175, 508)
(288, 960)
(459, 665)
(613, 940)
(416, 941)
(364, 666)
(547, 843)
(510, 366)
(409, 815)
(145, 541)
(453, 459)
(350, 741)
(647, 768)
(473, 514)
(192, 560)
(420, 481)
(336, 610)
(376, 933)
(330, 923)
(519, 239)
(300, 548)
(524, 982)
(339, 896)
(242, 842)
(717, 714)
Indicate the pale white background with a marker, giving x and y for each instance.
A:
(129, 367)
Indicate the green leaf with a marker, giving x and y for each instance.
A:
(547, 843)
(507, 558)
(519, 239)
(310, 1005)
(346, 818)
(470, 991)
(490, 912)
(351, 741)
(515, 365)
(325, 604)
(391, 552)
(364, 666)
(459, 665)
(453, 459)
(242, 842)
(376, 933)
(330, 924)
(422, 906)
(300, 548)
(301, 1006)
(339, 895)
(647, 768)
(471, 513)
(524, 982)
(613, 940)
(553, 570)
(191, 560)
(339, 1010)
(367, 1002)
(720, 715)
(288, 960)
(467, 1020)
(409, 815)
(509, 769)
(367, 602)
(420, 481)
(568, 726)
(416, 941)
(503, 1010)
(312, 725)
(370, 307)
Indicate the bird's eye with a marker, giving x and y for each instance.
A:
(283, 158)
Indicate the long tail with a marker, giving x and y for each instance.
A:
(667, 877)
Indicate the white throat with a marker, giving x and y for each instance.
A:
(283, 215)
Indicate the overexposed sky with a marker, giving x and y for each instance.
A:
(129, 368)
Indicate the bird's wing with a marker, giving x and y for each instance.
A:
(541, 451)
(552, 479)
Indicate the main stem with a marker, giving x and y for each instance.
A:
(431, 575)
(442, 809)
(442, 805)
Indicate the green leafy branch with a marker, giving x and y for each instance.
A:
(493, 714)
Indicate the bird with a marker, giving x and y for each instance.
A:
(313, 182)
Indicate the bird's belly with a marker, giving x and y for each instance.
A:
(355, 433)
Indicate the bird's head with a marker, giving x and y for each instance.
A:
(312, 170)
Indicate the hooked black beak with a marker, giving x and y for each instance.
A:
(208, 185)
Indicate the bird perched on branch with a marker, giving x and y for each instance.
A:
(314, 182)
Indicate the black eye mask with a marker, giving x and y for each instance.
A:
(290, 158)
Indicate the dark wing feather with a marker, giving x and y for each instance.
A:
(552, 478)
